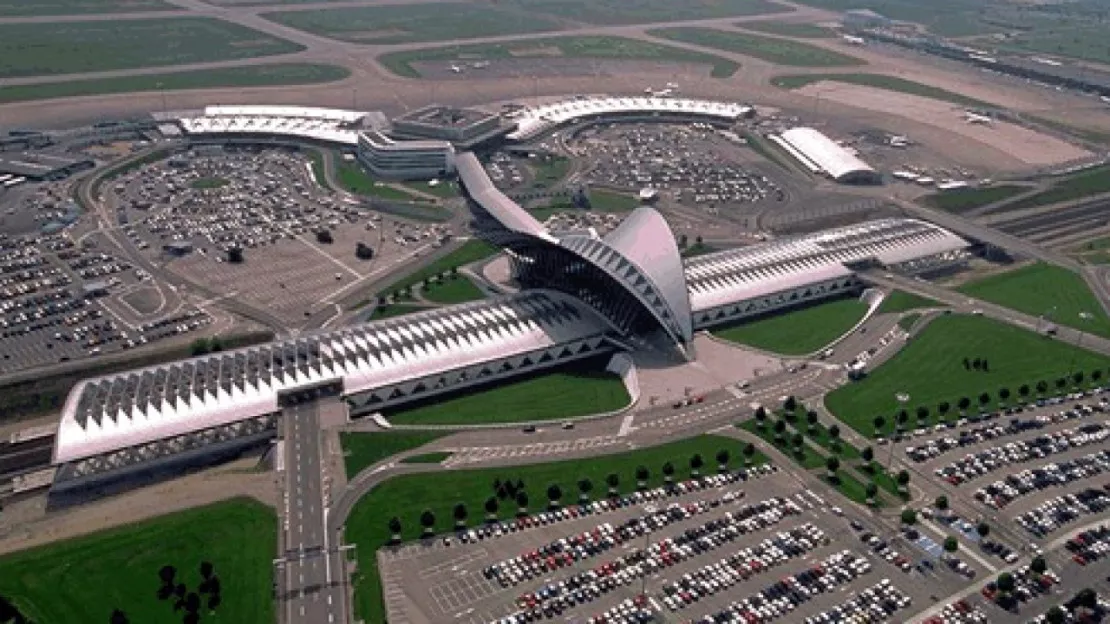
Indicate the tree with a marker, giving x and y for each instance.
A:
(909, 516)
(722, 460)
(1077, 377)
(1023, 391)
(872, 490)
(585, 486)
(950, 544)
(428, 521)
(983, 529)
(395, 529)
(867, 454)
(760, 416)
(192, 602)
(922, 413)
(117, 617)
(198, 347)
(1042, 387)
(1055, 615)
(1038, 565)
(554, 495)
(749, 452)
(460, 514)
(1005, 582)
(1004, 394)
(325, 237)
(780, 428)
(166, 574)
(790, 404)
(614, 481)
(668, 473)
(1061, 383)
(235, 255)
(521, 503)
(1096, 375)
(903, 480)
(696, 462)
(834, 432)
(811, 418)
(364, 251)
(642, 476)
(213, 601)
(963, 404)
(879, 422)
(967, 364)
(683, 241)
(902, 418)
(797, 442)
(943, 408)
(941, 503)
(832, 464)
(984, 398)
(698, 239)
(491, 509)
(206, 569)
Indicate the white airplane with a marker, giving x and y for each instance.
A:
(975, 118)
(456, 69)
(480, 65)
(853, 40)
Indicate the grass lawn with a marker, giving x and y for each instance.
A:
(698, 249)
(1040, 288)
(880, 81)
(406, 497)
(471, 251)
(43, 49)
(789, 29)
(930, 369)
(608, 201)
(318, 174)
(965, 199)
(209, 183)
(614, 12)
(778, 51)
(395, 309)
(1076, 186)
(578, 389)
(443, 189)
(427, 458)
(549, 170)
(362, 450)
(900, 301)
(81, 580)
(268, 75)
(28, 8)
(950, 18)
(797, 332)
(410, 23)
(354, 179)
(907, 321)
(453, 290)
(848, 485)
(587, 46)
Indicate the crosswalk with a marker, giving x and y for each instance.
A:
(478, 454)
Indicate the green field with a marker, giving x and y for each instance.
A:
(789, 29)
(427, 458)
(43, 49)
(770, 49)
(395, 309)
(209, 183)
(452, 290)
(616, 12)
(354, 179)
(880, 81)
(966, 199)
(591, 47)
(443, 189)
(269, 75)
(1077, 40)
(1076, 186)
(82, 580)
(362, 450)
(471, 251)
(550, 170)
(412, 23)
(950, 18)
(931, 371)
(900, 301)
(797, 332)
(1044, 289)
(407, 496)
(600, 201)
(907, 321)
(578, 389)
(28, 8)
(698, 249)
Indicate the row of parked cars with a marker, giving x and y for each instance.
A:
(988, 460)
(875, 604)
(781, 598)
(742, 565)
(1090, 545)
(1002, 493)
(1062, 510)
(1027, 586)
(884, 550)
(959, 612)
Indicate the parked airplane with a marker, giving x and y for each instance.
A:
(853, 40)
(976, 118)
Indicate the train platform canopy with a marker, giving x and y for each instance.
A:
(534, 121)
(326, 125)
(106, 414)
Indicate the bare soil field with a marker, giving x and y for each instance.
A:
(1029, 147)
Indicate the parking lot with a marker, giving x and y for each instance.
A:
(693, 165)
(298, 240)
(764, 545)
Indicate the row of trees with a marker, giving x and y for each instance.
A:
(185, 601)
(405, 292)
(515, 491)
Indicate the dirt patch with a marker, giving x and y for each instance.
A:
(369, 35)
(536, 51)
(1023, 144)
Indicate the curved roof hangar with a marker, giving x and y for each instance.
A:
(840, 164)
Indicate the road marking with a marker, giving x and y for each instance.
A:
(626, 425)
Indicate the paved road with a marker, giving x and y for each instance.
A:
(312, 578)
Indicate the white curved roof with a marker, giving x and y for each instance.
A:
(536, 120)
(831, 158)
(382, 143)
(119, 411)
(320, 124)
(736, 275)
(507, 212)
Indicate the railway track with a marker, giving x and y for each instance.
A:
(26, 456)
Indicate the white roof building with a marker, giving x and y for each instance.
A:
(531, 122)
(821, 154)
(320, 124)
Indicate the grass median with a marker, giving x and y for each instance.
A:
(797, 332)
(362, 450)
(880, 81)
(963, 200)
(406, 497)
(770, 49)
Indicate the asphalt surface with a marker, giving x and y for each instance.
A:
(310, 587)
